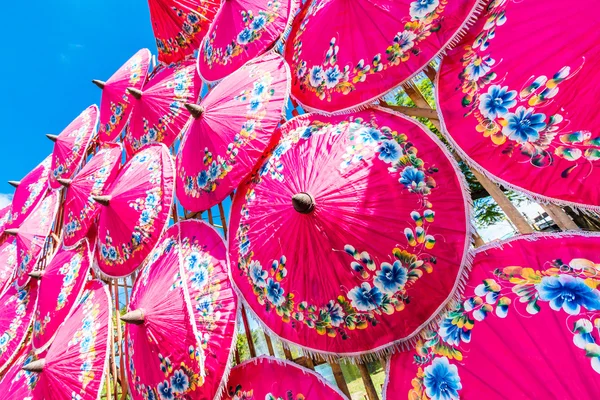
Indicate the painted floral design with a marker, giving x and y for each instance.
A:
(570, 289)
(34, 191)
(31, 378)
(382, 288)
(70, 272)
(514, 118)
(330, 77)
(217, 168)
(20, 303)
(39, 324)
(238, 393)
(78, 140)
(254, 26)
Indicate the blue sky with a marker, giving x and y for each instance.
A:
(51, 51)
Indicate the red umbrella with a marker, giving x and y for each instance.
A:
(115, 107)
(180, 25)
(159, 113)
(29, 191)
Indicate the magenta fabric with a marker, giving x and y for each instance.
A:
(214, 302)
(222, 146)
(514, 108)
(314, 279)
(159, 115)
(32, 234)
(5, 217)
(16, 316)
(30, 191)
(140, 204)
(180, 25)
(72, 144)
(116, 104)
(60, 286)
(164, 353)
(344, 54)
(525, 328)
(8, 261)
(17, 384)
(76, 360)
(80, 210)
(242, 30)
(275, 379)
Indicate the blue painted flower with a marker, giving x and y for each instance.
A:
(199, 278)
(257, 274)
(389, 151)
(391, 277)
(411, 177)
(478, 67)
(315, 76)
(282, 148)
(335, 312)
(421, 8)
(259, 88)
(365, 298)
(453, 334)
(259, 22)
(496, 102)
(368, 136)
(524, 125)
(192, 18)
(68, 279)
(151, 199)
(406, 40)
(214, 170)
(165, 391)
(254, 104)
(244, 36)
(202, 179)
(332, 76)
(180, 381)
(568, 293)
(441, 380)
(205, 306)
(275, 292)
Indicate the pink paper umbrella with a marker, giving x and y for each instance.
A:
(347, 54)
(29, 191)
(116, 104)
(518, 111)
(15, 319)
(70, 147)
(242, 29)
(135, 211)
(164, 352)
(180, 25)
(61, 284)
(214, 302)
(5, 217)
(274, 379)
(232, 127)
(526, 328)
(8, 261)
(80, 209)
(31, 236)
(159, 113)
(17, 384)
(353, 235)
(74, 364)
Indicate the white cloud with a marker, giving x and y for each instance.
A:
(5, 199)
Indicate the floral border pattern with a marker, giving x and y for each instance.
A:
(20, 301)
(76, 149)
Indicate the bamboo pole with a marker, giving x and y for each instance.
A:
(223, 219)
(248, 333)
(269, 345)
(339, 378)
(559, 216)
(368, 382)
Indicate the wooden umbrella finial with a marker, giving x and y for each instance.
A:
(36, 274)
(35, 366)
(135, 317)
(52, 137)
(137, 93)
(103, 200)
(14, 183)
(64, 182)
(303, 203)
(196, 110)
(12, 231)
(99, 83)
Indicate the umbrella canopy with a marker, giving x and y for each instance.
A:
(15, 319)
(204, 261)
(74, 364)
(80, 210)
(8, 261)
(298, 249)
(17, 384)
(518, 111)
(241, 30)
(528, 317)
(158, 112)
(32, 234)
(5, 217)
(70, 147)
(232, 128)
(30, 190)
(180, 25)
(135, 210)
(116, 103)
(160, 310)
(274, 379)
(61, 285)
(344, 54)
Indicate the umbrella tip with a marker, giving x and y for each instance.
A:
(11, 231)
(133, 317)
(103, 200)
(14, 183)
(303, 203)
(35, 366)
(52, 137)
(99, 83)
(64, 182)
(137, 93)
(195, 109)
(36, 274)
